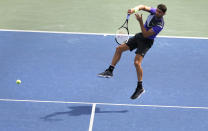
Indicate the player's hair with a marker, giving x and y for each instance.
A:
(162, 7)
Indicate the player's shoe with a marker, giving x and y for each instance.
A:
(106, 74)
(138, 92)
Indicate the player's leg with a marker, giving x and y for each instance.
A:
(143, 45)
(117, 55)
(130, 45)
(137, 63)
(119, 50)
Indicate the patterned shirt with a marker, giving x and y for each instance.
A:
(154, 23)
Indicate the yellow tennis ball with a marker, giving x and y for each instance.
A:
(18, 81)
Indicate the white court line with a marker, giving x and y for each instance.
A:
(92, 117)
(84, 33)
(111, 104)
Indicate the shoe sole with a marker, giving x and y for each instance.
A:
(140, 94)
(104, 76)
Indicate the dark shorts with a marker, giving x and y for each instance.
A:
(142, 44)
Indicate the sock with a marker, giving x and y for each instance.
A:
(111, 68)
(139, 84)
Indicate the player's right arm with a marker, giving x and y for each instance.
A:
(138, 8)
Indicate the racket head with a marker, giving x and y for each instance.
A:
(122, 35)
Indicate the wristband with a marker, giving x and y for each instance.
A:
(135, 9)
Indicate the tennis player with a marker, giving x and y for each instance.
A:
(142, 42)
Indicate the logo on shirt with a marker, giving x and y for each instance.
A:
(152, 21)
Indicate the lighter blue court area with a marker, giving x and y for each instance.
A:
(60, 86)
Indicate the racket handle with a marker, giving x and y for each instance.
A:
(128, 15)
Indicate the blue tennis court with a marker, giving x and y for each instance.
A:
(60, 90)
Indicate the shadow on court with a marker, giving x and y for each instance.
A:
(77, 111)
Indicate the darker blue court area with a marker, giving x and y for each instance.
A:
(64, 67)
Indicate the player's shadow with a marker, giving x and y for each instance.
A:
(77, 111)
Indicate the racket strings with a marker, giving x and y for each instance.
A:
(122, 35)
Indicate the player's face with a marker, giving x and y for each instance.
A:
(159, 13)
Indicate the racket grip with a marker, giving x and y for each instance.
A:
(128, 15)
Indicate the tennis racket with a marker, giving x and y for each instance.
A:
(122, 34)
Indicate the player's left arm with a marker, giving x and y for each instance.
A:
(145, 33)
(138, 8)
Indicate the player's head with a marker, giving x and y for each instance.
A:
(160, 11)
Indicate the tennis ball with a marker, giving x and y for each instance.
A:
(18, 81)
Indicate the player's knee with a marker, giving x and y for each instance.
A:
(137, 63)
(119, 49)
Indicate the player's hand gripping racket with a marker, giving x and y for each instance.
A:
(122, 34)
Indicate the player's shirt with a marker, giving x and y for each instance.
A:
(154, 23)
